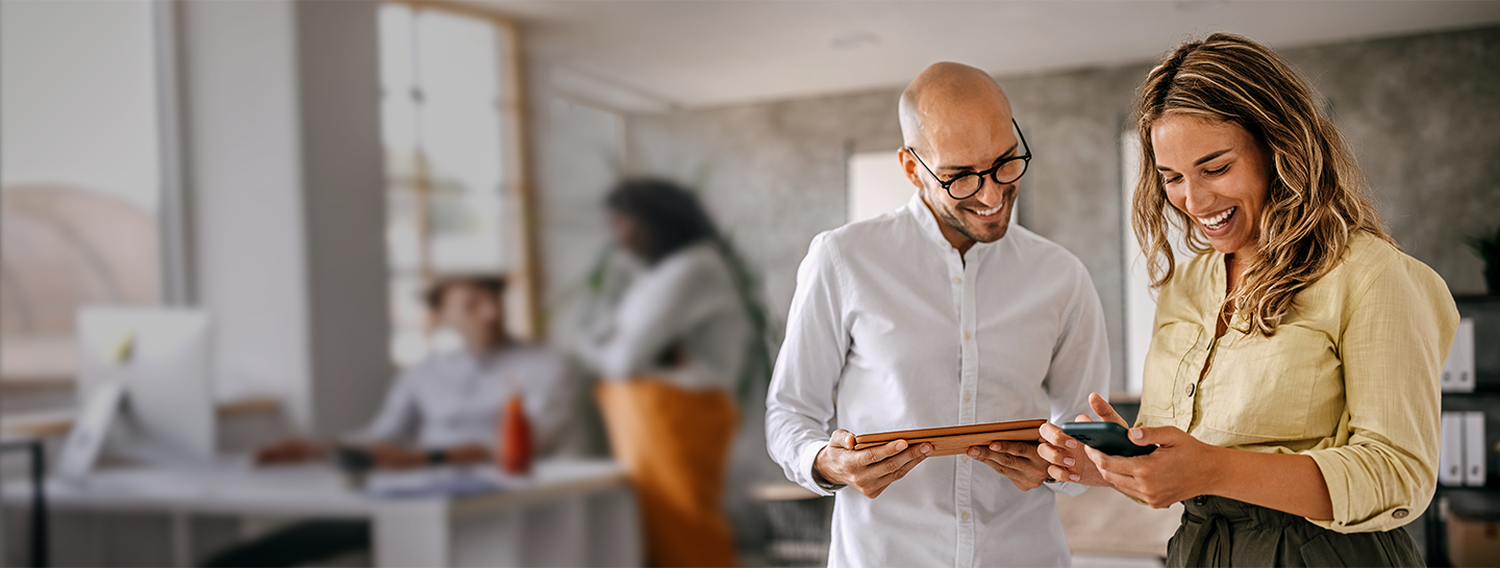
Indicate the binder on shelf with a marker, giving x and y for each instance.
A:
(1458, 369)
(1474, 448)
(1451, 455)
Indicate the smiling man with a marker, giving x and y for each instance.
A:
(939, 313)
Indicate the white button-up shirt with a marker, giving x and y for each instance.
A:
(890, 329)
(453, 399)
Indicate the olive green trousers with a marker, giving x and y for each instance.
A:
(1223, 532)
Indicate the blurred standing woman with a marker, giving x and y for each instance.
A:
(1292, 379)
(671, 353)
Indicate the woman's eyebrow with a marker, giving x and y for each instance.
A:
(1200, 161)
(1211, 156)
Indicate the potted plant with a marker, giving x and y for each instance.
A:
(1488, 248)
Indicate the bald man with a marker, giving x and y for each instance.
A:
(942, 312)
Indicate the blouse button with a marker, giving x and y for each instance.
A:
(1400, 513)
(1190, 388)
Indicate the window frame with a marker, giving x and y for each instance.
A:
(518, 222)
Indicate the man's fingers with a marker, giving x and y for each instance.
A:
(842, 438)
(1003, 459)
(1104, 410)
(1018, 449)
(913, 454)
(883, 452)
(901, 472)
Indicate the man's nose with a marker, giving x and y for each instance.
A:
(993, 193)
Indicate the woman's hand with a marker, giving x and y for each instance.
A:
(1066, 455)
(1181, 467)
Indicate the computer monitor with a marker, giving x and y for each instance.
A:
(160, 359)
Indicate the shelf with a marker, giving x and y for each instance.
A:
(1476, 298)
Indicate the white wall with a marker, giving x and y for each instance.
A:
(876, 184)
(280, 103)
(77, 93)
(240, 112)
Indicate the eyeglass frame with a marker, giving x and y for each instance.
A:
(990, 173)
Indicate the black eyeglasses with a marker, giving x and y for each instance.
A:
(966, 185)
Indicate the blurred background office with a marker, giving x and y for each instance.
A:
(298, 172)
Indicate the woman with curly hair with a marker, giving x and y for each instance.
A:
(1291, 384)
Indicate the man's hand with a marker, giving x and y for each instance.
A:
(1016, 460)
(290, 450)
(1066, 455)
(870, 470)
(467, 454)
(390, 456)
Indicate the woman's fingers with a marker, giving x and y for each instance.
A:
(1061, 473)
(1054, 435)
(1104, 410)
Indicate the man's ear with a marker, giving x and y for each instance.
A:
(909, 166)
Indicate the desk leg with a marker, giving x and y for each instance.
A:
(413, 533)
(615, 529)
(39, 538)
(504, 538)
(182, 538)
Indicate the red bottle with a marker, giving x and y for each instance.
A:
(515, 439)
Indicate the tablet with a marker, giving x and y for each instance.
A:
(954, 440)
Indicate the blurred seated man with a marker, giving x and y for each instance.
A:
(442, 411)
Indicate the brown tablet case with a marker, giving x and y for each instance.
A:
(954, 440)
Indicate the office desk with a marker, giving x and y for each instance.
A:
(569, 513)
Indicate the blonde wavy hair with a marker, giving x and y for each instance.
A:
(1317, 197)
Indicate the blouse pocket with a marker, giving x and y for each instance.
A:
(1170, 345)
(1263, 387)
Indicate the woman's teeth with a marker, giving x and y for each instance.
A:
(1218, 221)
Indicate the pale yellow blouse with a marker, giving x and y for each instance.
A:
(1350, 378)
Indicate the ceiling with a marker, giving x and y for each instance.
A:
(653, 55)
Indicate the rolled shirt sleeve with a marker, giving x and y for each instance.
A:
(1396, 337)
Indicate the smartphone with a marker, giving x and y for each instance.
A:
(1107, 437)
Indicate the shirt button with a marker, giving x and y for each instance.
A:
(966, 335)
(963, 458)
(1190, 388)
(1400, 513)
(957, 280)
(966, 516)
(966, 398)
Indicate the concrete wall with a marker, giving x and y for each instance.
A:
(1423, 113)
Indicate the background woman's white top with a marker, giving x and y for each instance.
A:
(687, 302)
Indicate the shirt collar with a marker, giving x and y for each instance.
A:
(929, 225)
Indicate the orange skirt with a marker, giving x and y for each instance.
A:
(674, 444)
